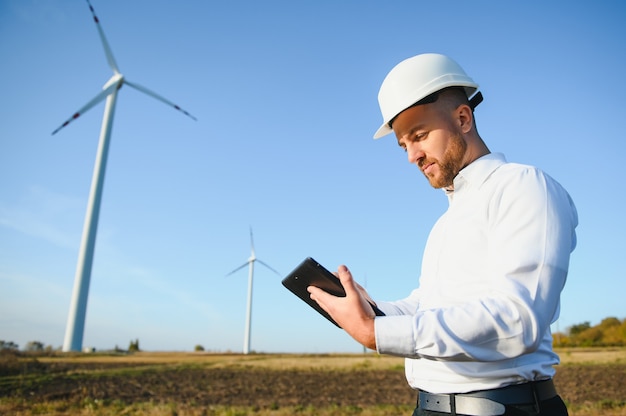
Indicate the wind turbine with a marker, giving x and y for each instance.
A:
(250, 264)
(78, 306)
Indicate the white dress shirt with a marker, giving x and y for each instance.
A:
(492, 273)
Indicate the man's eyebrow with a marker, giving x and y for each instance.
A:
(412, 131)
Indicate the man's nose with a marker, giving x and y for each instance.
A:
(414, 153)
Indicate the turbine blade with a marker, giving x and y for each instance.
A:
(237, 269)
(268, 266)
(105, 44)
(158, 97)
(101, 96)
(251, 243)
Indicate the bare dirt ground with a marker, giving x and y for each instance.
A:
(259, 383)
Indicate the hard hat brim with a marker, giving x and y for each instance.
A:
(383, 131)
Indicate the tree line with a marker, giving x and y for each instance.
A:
(38, 346)
(611, 332)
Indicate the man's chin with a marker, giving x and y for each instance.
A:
(437, 183)
(433, 181)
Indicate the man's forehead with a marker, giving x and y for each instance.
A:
(412, 119)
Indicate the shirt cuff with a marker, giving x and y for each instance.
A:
(394, 335)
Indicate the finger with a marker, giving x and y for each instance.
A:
(317, 294)
(347, 281)
(364, 293)
(354, 290)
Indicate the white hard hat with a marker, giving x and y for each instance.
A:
(416, 78)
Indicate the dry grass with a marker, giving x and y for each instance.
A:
(592, 356)
(268, 361)
(299, 361)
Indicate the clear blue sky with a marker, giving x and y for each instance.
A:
(285, 96)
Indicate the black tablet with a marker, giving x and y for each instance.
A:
(311, 273)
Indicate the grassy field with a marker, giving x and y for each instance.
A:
(591, 381)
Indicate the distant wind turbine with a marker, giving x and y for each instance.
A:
(78, 307)
(250, 264)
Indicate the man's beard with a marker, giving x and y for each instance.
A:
(449, 165)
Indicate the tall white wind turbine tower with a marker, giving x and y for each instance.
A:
(250, 264)
(78, 306)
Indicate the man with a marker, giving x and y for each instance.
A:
(476, 332)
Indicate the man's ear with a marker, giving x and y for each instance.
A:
(465, 118)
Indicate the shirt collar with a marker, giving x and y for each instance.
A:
(476, 172)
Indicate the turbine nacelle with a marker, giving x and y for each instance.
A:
(116, 81)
